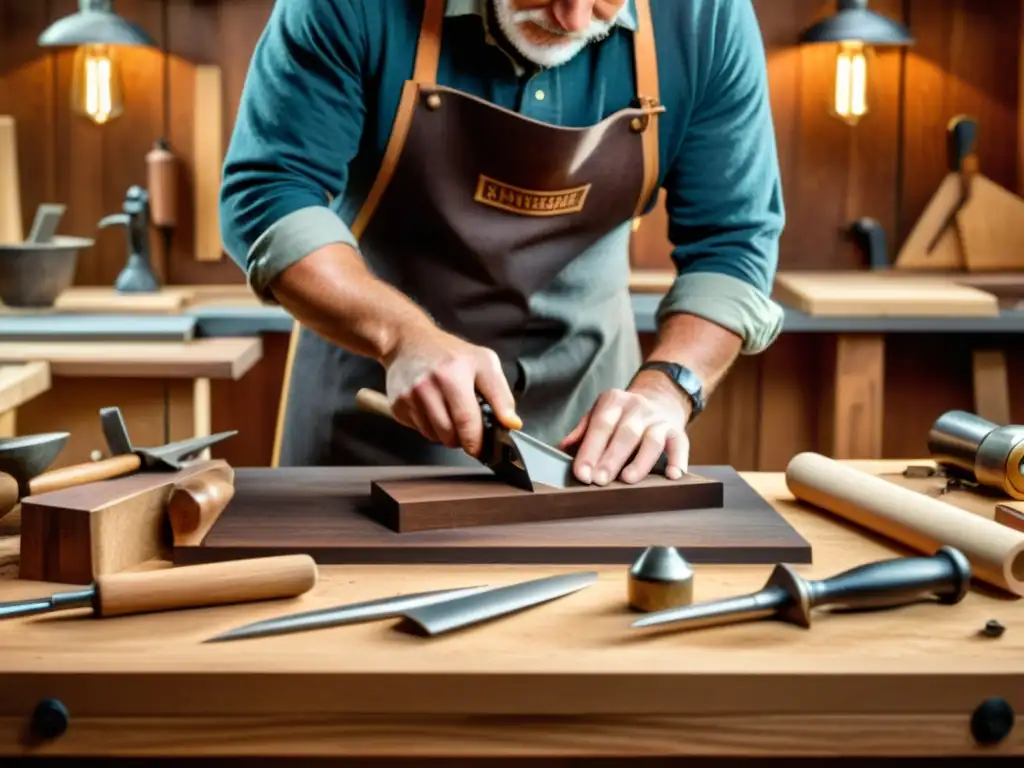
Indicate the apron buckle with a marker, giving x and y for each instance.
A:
(650, 106)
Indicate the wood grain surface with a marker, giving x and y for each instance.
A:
(325, 512)
(568, 678)
(76, 534)
(424, 504)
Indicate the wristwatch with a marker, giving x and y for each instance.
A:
(684, 378)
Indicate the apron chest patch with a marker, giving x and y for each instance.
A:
(528, 202)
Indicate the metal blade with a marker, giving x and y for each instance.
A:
(173, 454)
(543, 463)
(388, 607)
(731, 610)
(455, 614)
(115, 432)
(80, 598)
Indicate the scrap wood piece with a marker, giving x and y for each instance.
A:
(73, 535)
(886, 294)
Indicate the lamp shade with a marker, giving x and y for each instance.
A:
(855, 22)
(94, 23)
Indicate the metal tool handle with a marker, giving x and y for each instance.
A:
(194, 586)
(372, 401)
(945, 575)
(961, 143)
(80, 474)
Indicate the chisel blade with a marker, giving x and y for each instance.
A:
(454, 614)
(730, 610)
(371, 610)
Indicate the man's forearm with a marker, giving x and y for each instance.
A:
(709, 350)
(332, 293)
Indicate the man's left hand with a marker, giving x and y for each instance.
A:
(647, 419)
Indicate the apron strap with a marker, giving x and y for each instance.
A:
(647, 93)
(428, 50)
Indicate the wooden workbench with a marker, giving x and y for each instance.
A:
(565, 679)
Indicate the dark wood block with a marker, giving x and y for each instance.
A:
(436, 503)
(326, 512)
(74, 535)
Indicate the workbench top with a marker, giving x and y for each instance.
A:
(563, 678)
(229, 311)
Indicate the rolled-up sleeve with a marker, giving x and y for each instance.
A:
(723, 190)
(299, 124)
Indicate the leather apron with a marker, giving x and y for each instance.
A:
(485, 218)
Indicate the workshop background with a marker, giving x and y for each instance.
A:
(966, 59)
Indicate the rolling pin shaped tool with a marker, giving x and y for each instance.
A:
(191, 586)
(513, 456)
(945, 575)
(354, 613)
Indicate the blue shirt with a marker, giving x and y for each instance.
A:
(324, 85)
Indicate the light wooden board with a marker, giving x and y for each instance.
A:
(220, 358)
(21, 383)
(11, 224)
(848, 294)
(93, 300)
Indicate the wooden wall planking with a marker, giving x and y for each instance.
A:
(966, 60)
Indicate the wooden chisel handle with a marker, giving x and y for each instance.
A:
(80, 474)
(195, 505)
(372, 401)
(196, 586)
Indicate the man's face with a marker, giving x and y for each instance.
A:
(550, 32)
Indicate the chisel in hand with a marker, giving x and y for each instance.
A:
(192, 586)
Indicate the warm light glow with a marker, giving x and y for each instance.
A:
(97, 91)
(851, 82)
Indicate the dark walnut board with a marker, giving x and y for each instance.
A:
(325, 512)
(442, 503)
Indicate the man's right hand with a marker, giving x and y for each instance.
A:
(433, 379)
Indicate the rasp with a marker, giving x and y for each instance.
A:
(786, 595)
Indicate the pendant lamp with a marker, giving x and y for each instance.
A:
(97, 86)
(855, 30)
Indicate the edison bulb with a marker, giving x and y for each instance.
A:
(97, 89)
(851, 102)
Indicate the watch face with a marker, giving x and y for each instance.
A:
(688, 380)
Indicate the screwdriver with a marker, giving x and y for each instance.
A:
(193, 586)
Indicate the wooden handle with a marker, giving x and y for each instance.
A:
(372, 401)
(195, 586)
(195, 505)
(8, 493)
(80, 474)
(996, 552)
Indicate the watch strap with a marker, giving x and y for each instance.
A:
(684, 378)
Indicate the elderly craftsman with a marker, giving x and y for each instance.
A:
(442, 193)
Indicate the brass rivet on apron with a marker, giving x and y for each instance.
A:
(433, 101)
(636, 124)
